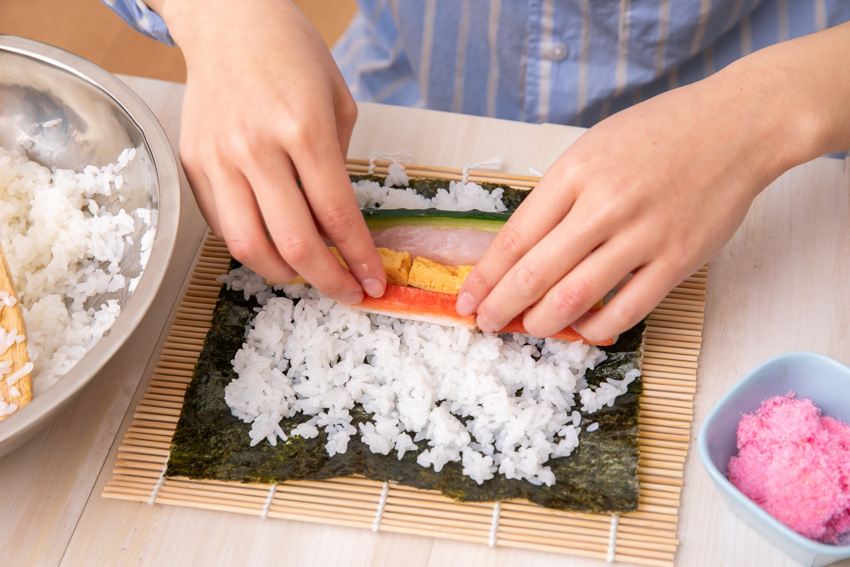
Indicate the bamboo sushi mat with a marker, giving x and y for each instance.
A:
(646, 536)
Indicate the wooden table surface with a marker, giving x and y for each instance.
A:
(781, 284)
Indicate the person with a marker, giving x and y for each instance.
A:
(693, 108)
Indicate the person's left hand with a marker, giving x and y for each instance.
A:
(651, 192)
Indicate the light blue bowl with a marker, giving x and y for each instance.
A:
(821, 379)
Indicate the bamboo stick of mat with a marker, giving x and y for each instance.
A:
(646, 536)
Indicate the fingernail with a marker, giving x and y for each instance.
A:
(353, 298)
(484, 326)
(466, 304)
(373, 287)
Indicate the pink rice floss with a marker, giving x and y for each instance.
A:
(795, 463)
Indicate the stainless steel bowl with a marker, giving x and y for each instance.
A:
(98, 116)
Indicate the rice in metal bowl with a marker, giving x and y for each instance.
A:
(65, 249)
(65, 113)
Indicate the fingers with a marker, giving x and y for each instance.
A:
(331, 198)
(346, 116)
(240, 211)
(539, 276)
(581, 288)
(252, 195)
(192, 161)
(631, 304)
(204, 197)
(293, 231)
(535, 218)
(255, 121)
(241, 225)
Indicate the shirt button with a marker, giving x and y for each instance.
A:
(558, 51)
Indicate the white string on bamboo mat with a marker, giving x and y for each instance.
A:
(267, 506)
(534, 172)
(158, 485)
(492, 164)
(381, 505)
(395, 157)
(612, 537)
(494, 523)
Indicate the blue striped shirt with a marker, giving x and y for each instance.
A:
(562, 61)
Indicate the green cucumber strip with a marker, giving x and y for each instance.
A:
(381, 219)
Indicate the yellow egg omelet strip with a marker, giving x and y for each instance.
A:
(396, 265)
(417, 272)
(434, 276)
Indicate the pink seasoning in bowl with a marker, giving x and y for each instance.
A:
(795, 464)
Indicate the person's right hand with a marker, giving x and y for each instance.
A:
(265, 108)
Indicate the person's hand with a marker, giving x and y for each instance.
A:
(651, 193)
(647, 195)
(265, 106)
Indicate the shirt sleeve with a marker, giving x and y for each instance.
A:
(140, 16)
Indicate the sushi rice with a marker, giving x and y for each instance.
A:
(65, 250)
(498, 404)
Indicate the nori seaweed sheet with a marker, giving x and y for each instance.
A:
(210, 443)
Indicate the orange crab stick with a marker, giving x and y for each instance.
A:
(422, 305)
